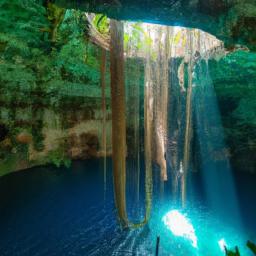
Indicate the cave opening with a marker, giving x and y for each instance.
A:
(127, 126)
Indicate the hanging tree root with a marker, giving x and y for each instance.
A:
(118, 118)
(119, 129)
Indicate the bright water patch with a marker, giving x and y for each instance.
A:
(179, 225)
(222, 244)
(195, 231)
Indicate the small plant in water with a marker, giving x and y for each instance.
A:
(249, 244)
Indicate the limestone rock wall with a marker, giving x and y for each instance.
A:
(50, 95)
(232, 21)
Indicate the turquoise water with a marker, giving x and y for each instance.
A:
(50, 211)
(209, 231)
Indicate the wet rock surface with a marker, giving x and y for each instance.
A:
(231, 21)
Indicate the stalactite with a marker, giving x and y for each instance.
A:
(103, 106)
(118, 118)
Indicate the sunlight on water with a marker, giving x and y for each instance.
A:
(222, 244)
(195, 231)
(180, 226)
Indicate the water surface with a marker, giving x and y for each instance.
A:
(51, 211)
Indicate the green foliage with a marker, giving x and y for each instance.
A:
(101, 23)
(16, 75)
(251, 246)
(77, 63)
(38, 137)
(234, 79)
(136, 37)
(7, 165)
(58, 157)
(236, 252)
(37, 74)
(14, 17)
(55, 16)
(13, 45)
(245, 112)
(74, 25)
(232, 253)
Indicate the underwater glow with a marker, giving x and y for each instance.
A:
(222, 244)
(180, 226)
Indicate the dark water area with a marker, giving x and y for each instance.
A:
(51, 211)
(246, 193)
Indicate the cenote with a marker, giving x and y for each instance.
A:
(127, 128)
